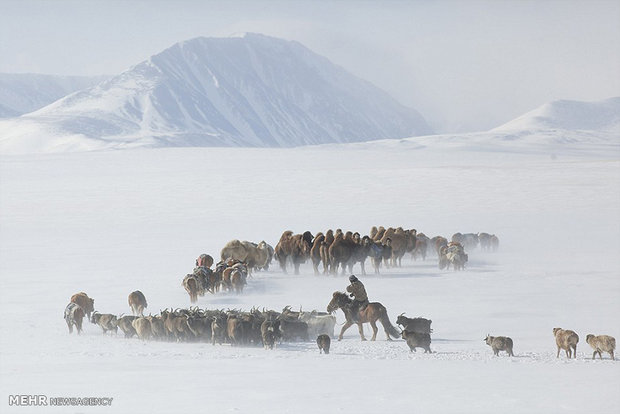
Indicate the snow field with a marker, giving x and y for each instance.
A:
(112, 222)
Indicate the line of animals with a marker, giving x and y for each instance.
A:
(332, 251)
(339, 250)
(565, 339)
(268, 327)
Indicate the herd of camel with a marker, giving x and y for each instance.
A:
(333, 251)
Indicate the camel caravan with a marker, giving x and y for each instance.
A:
(238, 260)
(330, 253)
(336, 252)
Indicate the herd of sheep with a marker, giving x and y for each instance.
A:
(334, 251)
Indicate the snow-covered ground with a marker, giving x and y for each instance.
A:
(108, 223)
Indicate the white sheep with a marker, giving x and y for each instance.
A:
(602, 343)
(567, 340)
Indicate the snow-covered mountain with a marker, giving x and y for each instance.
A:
(21, 93)
(241, 91)
(601, 116)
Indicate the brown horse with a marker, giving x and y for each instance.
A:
(373, 312)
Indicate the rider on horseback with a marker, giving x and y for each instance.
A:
(203, 270)
(360, 298)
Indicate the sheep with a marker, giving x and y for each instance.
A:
(417, 340)
(499, 343)
(323, 341)
(602, 343)
(567, 340)
(106, 321)
(142, 327)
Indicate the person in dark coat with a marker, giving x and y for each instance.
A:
(358, 292)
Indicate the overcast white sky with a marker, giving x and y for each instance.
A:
(465, 65)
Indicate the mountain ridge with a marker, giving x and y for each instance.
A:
(252, 91)
(22, 93)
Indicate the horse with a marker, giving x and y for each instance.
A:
(373, 312)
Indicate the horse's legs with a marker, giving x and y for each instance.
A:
(373, 324)
(361, 329)
(344, 328)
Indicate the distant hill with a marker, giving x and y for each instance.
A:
(254, 91)
(569, 115)
(21, 93)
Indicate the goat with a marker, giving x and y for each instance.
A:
(158, 329)
(200, 326)
(124, 322)
(235, 328)
(270, 333)
(106, 321)
(176, 324)
(142, 327)
(218, 328)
